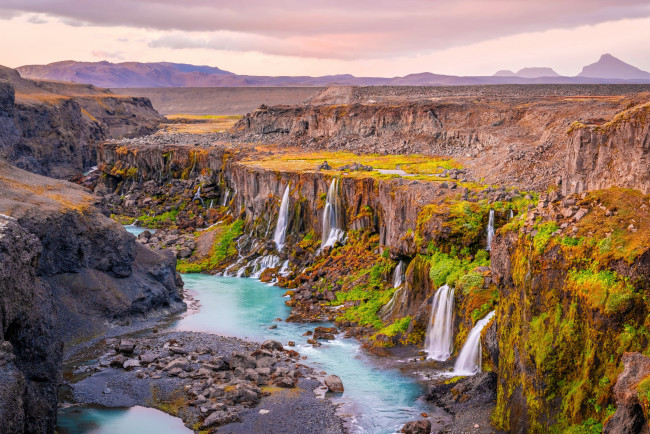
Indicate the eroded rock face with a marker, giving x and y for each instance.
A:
(49, 128)
(30, 345)
(615, 154)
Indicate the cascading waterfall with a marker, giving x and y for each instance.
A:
(490, 231)
(262, 263)
(197, 196)
(283, 221)
(439, 342)
(398, 275)
(469, 359)
(332, 217)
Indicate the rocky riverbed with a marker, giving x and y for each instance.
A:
(206, 380)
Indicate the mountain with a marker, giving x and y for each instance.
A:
(165, 74)
(609, 66)
(535, 72)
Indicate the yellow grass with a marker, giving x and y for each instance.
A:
(199, 124)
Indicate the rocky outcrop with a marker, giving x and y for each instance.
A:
(630, 416)
(49, 128)
(30, 345)
(614, 154)
(94, 268)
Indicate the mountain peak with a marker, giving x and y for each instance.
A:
(611, 67)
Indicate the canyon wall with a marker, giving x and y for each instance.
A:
(616, 153)
(519, 141)
(49, 128)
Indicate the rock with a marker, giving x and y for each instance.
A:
(417, 427)
(241, 360)
(118, 361)
(147, 358)
(219, 418)
(265, 362)
(324, 166)
(125, 346)
(334, 384)
(131, 363)
(286, 382)
(629, 416)
(178, 350)
(181, 363)
(272, 345)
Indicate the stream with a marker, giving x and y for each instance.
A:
(378, 398)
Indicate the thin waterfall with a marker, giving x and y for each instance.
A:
(283, 221)
(510, 215)
(469, 359)
(490, 231)
(225, 198)
(332, 217)
(197, 196)
(398, 275)
(439, 343)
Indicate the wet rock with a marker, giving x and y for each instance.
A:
(272, 345)
(334, 384)
(417, 427)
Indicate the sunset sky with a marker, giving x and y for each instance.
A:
(298, 37)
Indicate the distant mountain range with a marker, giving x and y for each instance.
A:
(607, 70)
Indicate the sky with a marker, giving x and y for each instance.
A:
(381, 38)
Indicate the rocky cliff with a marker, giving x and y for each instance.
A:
(67, 274)
(616, 153)
(30, 346)
(48, 128)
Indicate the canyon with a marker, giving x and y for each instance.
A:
(528, 204)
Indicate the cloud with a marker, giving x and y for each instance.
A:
(37, 19)
(117, 55)
(334, 28)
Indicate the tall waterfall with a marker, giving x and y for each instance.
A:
(283, 221)
(398, 275)
(469, 359)
(490, 231)
(439, 342)
(332, 217)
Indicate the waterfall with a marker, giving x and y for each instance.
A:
(490, 231)
(332, 217)
(283, 221)
(510, 215)
(469, 359)
(197, 196)
(211, 202)
(398, 275)
(439, 342)
(225, 198)
(262, 263)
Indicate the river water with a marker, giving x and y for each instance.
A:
(379, 398)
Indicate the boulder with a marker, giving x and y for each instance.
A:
(219, 418)
(334, 384)
(272, 345)
(125, 346)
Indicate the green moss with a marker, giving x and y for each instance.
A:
(544, 233)
(399, 326)
(223, 248)
(450, 269)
